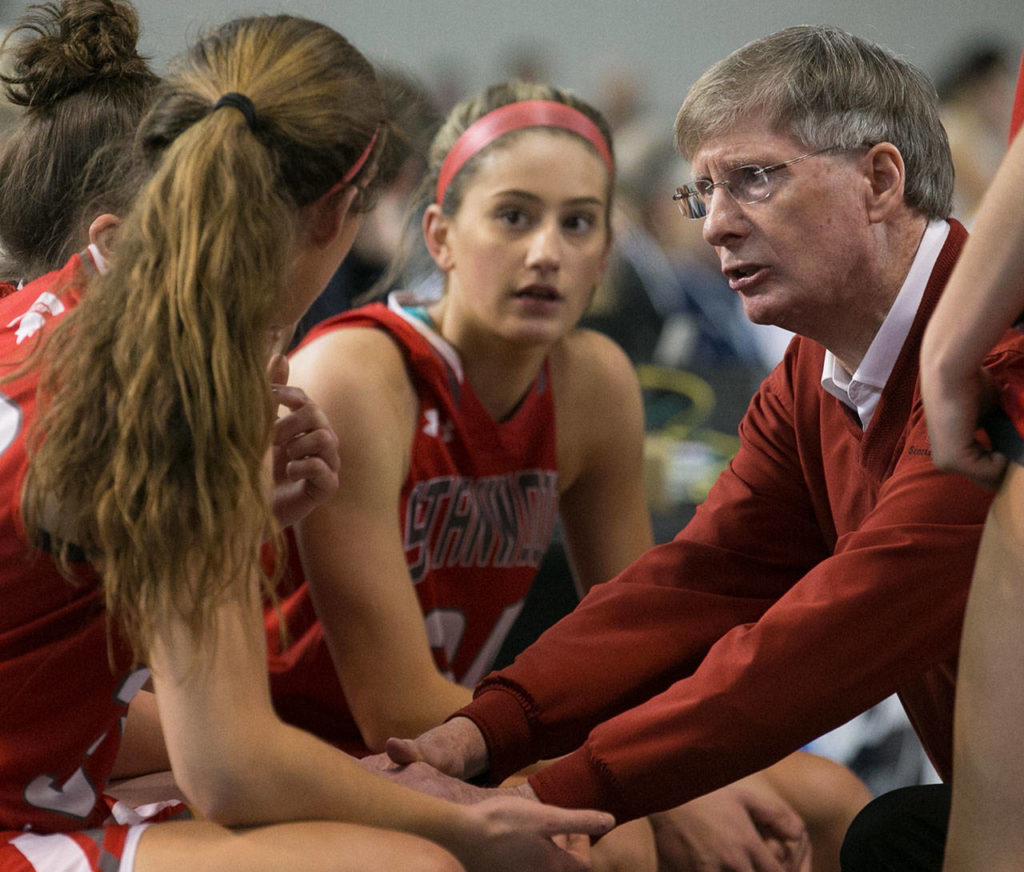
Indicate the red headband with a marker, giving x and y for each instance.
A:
(514, 116)
(363, 158)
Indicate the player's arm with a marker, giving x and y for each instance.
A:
(599, 417)
(351, 546)
(239, 765)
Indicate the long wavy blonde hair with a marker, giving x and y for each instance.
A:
(156, 409)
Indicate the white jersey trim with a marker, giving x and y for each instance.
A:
(397, 301)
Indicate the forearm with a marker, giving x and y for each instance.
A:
(412, 714)
(626, 642)
(985, 294)
(238, 763)
(631, 638)
(281, 773)
(766, 689)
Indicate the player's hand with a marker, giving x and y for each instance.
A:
(509, 834)
(953, 410)
(304, 450)
(733, 829)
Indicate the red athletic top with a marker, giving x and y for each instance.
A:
(60, 703)
(477, 511)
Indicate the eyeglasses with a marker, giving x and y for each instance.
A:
(746, 185)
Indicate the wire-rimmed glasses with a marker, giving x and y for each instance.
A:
(746, 184)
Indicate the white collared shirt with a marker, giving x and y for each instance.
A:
(862, 390)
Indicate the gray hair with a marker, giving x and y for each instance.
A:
(826, 87)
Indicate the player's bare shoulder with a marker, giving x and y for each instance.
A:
(590, 368)
(356, 374)
(598, 405)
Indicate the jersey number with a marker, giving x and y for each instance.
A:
(445, 629)
(77, 796)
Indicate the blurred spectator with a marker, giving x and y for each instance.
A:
(976, 95)
(527, 61)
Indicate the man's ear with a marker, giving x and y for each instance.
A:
(326, 215)
(103, 232)
(436, 227)
(886, 177)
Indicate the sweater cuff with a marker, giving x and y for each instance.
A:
(500, 713)
(580, 781)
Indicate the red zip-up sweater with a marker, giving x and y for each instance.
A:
(827, 569)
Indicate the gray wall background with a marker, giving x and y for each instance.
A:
(664, 43)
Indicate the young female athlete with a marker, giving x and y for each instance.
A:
(134, 423)
(454, 468)
(467, 423)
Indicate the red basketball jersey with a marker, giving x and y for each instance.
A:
(60, 702)
(476, 514)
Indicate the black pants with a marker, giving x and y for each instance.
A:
(900, 831)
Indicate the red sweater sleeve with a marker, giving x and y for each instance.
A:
(805, 590)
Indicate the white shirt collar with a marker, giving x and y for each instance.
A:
(862, 390)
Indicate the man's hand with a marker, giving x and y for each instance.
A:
(426, 779)
(455, 747)
(738, 828)
(304, 450)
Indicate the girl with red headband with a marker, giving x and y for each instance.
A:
(468, 423)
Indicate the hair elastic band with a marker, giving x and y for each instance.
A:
(514, 116)
(240, 102)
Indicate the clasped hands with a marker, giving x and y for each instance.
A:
(740, 826)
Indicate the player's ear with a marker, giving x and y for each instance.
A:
(437, 230)
(103, 232)
(326, 216)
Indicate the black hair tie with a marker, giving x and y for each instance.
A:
(240, 102)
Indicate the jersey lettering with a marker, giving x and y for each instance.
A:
(75, 798)
(500, 521)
